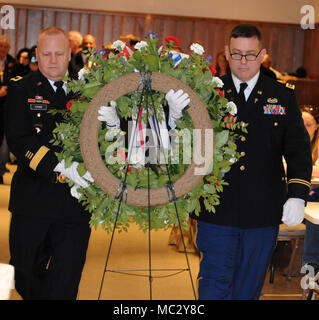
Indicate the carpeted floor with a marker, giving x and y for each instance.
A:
(130, 251)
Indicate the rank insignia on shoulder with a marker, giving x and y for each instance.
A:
(17, 78)
(272, 100)
(290, 86)
(274, 109)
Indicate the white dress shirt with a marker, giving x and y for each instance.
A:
(251, 84)
(54, 87)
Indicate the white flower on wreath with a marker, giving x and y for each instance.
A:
(197, 48)
(218, 81)
(118, 45)
(232, 160)
(140, 45)
(231, 106)
(82, 72)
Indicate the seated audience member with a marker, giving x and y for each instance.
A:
(265, 67)
(310, 254)
(33, 64)
(108, 49)
(222, 66)
(33, 59)
(130, 40)
(301, 72)
(267, 64)
(75, 39)
(310, 115)
(81, 58)
(23, 60)
(32, 51)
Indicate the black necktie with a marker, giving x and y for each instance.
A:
(60, 94)
(241, 94)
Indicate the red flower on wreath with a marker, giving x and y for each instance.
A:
(212, 70)
(228, 124)
(174, 39)
(69, 104)
(221, 93)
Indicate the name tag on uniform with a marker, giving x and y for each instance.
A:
(38, 107)
(274, 109)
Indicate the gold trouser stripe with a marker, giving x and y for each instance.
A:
(38, 157)
(306, 183)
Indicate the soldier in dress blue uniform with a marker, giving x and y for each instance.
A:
(237, 242)
(49, 229)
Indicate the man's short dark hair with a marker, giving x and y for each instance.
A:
(245, 31)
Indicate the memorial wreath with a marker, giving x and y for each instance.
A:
(195, 71)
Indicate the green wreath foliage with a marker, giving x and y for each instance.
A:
(195, 71)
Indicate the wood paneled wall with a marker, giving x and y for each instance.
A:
(311, 52)
(285, 42)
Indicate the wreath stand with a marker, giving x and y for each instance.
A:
(94, 162)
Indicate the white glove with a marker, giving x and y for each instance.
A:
(6, 280)
(109, 115)
(293, 212)
(177, 101)
(72, 174)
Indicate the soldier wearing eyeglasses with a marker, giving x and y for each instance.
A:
(237, 242)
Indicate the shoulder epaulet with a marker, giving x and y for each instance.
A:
(15, 79)
(290, 86)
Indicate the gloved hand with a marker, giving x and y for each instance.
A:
(72, 174)
(109, 115)
(177, 101)
(6, 281)
(293, 212)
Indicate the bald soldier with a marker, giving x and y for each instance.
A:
(49, 229)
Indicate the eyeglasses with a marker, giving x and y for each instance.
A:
(248, 57)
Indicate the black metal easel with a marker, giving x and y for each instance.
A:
(146, 81)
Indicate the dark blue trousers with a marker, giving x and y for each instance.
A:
(233, 261)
